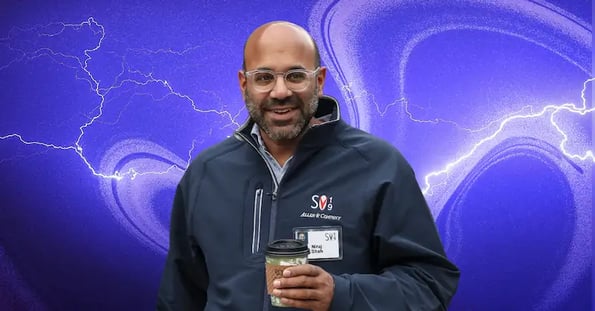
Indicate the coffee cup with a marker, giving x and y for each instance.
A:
(279, 255)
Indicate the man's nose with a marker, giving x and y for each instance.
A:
(280, 90)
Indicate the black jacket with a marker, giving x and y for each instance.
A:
(228, 206)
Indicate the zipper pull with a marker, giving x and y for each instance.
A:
(273, 195)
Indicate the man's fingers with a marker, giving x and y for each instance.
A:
(301, 281)
(305, 286)
(297, 293)
(306, 269)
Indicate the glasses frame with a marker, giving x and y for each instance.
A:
(309, 73)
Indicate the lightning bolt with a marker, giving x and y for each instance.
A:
(348, 92)
(133, 173)
(82, 63)
(551, 110)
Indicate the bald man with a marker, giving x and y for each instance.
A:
(296, 170)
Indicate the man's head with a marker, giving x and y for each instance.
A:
(282, 108)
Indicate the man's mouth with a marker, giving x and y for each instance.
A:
(282, 111)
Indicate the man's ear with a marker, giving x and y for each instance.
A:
(320, 78)
(242, 81)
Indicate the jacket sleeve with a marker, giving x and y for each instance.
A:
(184, 280)
(413, 271)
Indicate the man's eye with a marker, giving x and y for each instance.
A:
(263, 77)
(296, 76)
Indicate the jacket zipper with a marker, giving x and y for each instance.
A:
(257, 213)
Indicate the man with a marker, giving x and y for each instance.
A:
(296, 170)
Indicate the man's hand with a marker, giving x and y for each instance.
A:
(305, 286)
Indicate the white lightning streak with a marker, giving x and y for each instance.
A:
(98, 29)
(552, 109)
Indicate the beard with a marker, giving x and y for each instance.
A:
(285, 133)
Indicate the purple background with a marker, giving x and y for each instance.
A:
(102, 105)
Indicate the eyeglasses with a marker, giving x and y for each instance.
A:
(295, 79)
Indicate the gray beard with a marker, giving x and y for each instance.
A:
(276, 134)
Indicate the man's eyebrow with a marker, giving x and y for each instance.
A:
(290, 68)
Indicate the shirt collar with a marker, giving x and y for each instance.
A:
(255, 132)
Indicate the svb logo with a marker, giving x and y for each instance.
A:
(322, 202)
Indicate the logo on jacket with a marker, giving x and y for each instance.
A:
(322, 202)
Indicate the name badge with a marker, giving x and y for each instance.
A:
(325, 243)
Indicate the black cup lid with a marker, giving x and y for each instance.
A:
(287, 247)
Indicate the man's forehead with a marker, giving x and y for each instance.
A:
(279, 37)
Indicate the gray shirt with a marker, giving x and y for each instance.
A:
(278, 170)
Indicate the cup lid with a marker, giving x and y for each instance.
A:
(287, 247)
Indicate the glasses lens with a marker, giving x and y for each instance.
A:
(263, 78)
(296, 80)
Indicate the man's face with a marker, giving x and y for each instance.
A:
(282, 119)
(282, 113)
